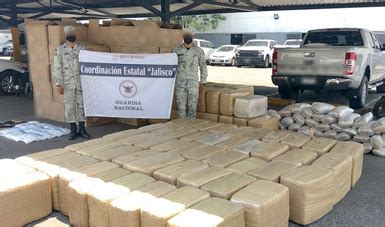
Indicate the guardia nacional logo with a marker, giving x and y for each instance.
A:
(128, 89)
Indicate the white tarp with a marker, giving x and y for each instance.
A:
(128, 85)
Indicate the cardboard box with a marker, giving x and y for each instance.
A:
(94, 34)
(57, 37)
(95, 121)
(128, 50)
(165, 39)
(95, 47)
(38, 55)
(37, 33)
(176, 37)
(40, 73)
(42, 92)
(208, 116)
(51, 50)
(134, 37)
(165, 50)
(146, 23)
(57, 97)
(226, 119)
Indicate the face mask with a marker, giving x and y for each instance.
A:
(71, 38)
(188, 40)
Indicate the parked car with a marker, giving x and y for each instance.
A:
(256, 52)
(349, 60)
(7, 48)
(13, 77)
(206, 46)
(224, 55)
(291, 43)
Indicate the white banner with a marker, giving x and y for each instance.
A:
(128, 85)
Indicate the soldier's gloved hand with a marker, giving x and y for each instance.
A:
(60, 89)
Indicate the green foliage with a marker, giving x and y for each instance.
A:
(199, 23)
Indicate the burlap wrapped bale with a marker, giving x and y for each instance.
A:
(272, 171)
(212, 101)
(226, 186)
(148, 165)
(226, 119)
(123, 134)
(223, 128)
(108, 155)
(210, 212)
(356, 151)
(276, 136)
(121, 160)
(311, 193)
(269, 151)
(200, 153)
(215, 138)
(298, 157)
(250, 106)
(24, 199)
(227, 100)
(200, 177)
(170, 173)
(246, 165)
(195, 136)
(99, 199)
(162, 209)
(170, 145)
(208, 116)
(341, 165)
(266, 122)
(241, 121)
(225, 158)
(265, 203)
(295, 140)
(319, 145)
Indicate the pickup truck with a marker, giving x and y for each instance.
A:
(350, 60)
(255, 52)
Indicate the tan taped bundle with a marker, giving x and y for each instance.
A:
(157, 188)
(170, 145)
(206, 126)
(298, 157)
(81, 145)
(341, 165)
(208, 116)
(121, 160)
(134, 181)
(276, 136)
(139, 137)
(226, 119)
(265, 203)
(152, 141)
(266, 122)
(9, 168)
(295, 140)
(123, 134)
(226, 186)
(356, 151)
(232, 142)
(202, 152)
(150, 128)
(250, 106)
(319, 145)
(89, 150)
(47, 154)
(169, 174)
(223, 128)
(311, 193)
(272, 171)
(180, 150)
(269, 151)
(246, 165)
(242, 130)
(257, 133)
(226, 102)
(201, 177)
(162, 209)
(73, 162)
(241, 121)
(195, 136)
(210, 212)
(215, 138)
(148, 165)
(212, 101)
(201, 107)
(248, 146)
(24, 199)
(225, 158)
(61, 158)
(109, 154)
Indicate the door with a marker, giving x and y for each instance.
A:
(377, 59)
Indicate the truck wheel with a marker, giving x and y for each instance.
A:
(287, 92)
(267, 62)
(8, 81)
(359, 101)
(381, 88)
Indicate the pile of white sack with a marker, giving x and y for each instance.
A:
(340, 123)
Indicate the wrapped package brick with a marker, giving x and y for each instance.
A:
(204, 152)
(135, 138)
(109, 154)
(233, 141)
(162, 209)
(250, 106)
(225, 158)
(210, 212)
(265, 203)
(87, 143)
(206, 126)
(47, 154)
(298, 157)
(242, 130)
(98, 148)
(196, 136)
(295, 140)
(157, 188)
(319, 145)
(149, 142)
(215, 138)
(226, 119)
(9, 168)
(311, 192)
(62, 158)
(246, 165)
(201, 107)
(121, 160)
(226, 186)
(200, 177)
(269, 151)
(175, 133)
(241, 121)
(223, 128)
(248, 146)
(341, 165)
(170, 145)
(148, 165)
(227, 100)
(266, 122)
(149, 128)
(170, 173)
(276, 136)
(134, 181)
(180, 150)
(272, 171)
(25, 199)
(208, 116)
(257, 133)
(123, 134)
(212, 101)
(356, 151)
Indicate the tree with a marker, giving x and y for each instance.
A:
(199, 23)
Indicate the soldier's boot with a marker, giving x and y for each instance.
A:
(82, 131)
(73, 133)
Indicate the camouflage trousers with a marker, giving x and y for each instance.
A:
(187, 94)
(73, 105)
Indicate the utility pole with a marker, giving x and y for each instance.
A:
(15, 30)
(165, 9)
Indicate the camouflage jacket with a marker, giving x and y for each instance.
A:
(189, 62)
(66, 66)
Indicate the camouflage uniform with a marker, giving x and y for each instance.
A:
(187, 79)
(66, 73)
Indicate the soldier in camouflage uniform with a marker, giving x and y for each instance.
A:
(191, 59)
(66, 75)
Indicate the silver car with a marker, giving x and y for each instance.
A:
(224, 55)
(207, 46)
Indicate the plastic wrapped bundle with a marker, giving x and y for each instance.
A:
(170, 173)
(210, 212)
(367, 148)
(201, 177)
(295, 140)
(341, 165)
(87, 143)
(367, 129)
(177, 133)
(208, 116)
(268, 151)
(98, 148)
(215, 138)
(336, 128)
(233, 142)
(322, 127)
(242, 130)
(311, 192)
(356, 151)
(361, 138)
(170, 205)
(123, 134)
(139, 137)
(285, 112)
(377, 142)
(149, 128)
(246, 165)
(310, 122)
(109, 154)
(347, 121)
(181, 148)
(149, 142)
(258, 133)
(307, 112)
(247, 147)
(343, 137)
(272, 171)
(299, 119)
(318, 133)
(327, 119)
(196, 136)
(305, 130)
(330, 134)
(225, 158)
(276, 136)
(134, 181)
(379, 126)
(341, 111)
(294, 127)
(321, 108)
(320, 145)
(265, 203)
(9, 168)
(298, 157)
(250, 106)
(379, 153)
(350, 131)
(205, 126)
(287, 121)
(227, 100)
(298, 107)
(274, 113)
(47, 154)
(366, 118)
(121, 160)
(25, 199)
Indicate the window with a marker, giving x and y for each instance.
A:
(335, 38)
(211, 45)
(257, 43)
(204, 44)
(377, 44)
(226, 49)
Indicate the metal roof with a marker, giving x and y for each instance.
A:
(86, 9)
